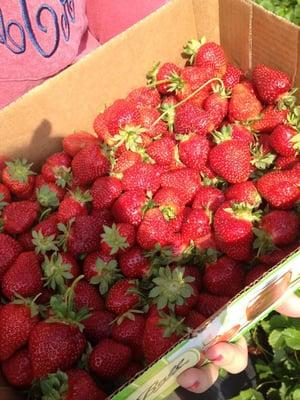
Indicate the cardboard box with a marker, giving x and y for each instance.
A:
(33, 126)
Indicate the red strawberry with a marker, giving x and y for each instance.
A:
(208, 304)
(196, 226)
(142, 177)
(190, 118)
(24, 277)
(19, 216)
(117, 238)
(284, 140)
(225, 277)
(271, 117)
(100, 127)
(120, 299)
(154, 229)
(16, 322)
(270, 83)
(161, 333)
(282, 162)
(67, 344)
(89, 164)
(105, 191)
(195, 272)
(76, 141)
(232, 77)
(255, 273)
(128, 208)
(244, 192)
(162, 151)
(102, 217)
(243, 104)
(5, 196)
(87, 296)
(133, 263)
(170, 202)
(275, 256)
(57, 169)
(120, 114)
(194, 319)
(126, 160)
(98, 326)
(233, 132)
(73, 205)
(208, 198)
(216, 105)
(43, 236)
(9, 251)
(233, 230)
(131, 371)
(109, 358)
(185, 180)
(144, 97)
(277, 228)
(151, 122)
(19, 178)
(17, 370)
(164, 72)
(193, 151)
(231, 160)
(129, 330)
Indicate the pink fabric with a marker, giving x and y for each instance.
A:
(39, 38)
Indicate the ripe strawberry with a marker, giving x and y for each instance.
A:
(24, 277)
(181, 178)
(255, 273)
(234, 132)
(278, 189)
(117, 238)
(105, 191)
(243, 104)
(57, 169)
(262, 156)
(129, 330)
(196, 225)
(67, 344)
(277, 228)
(194, 319)
(162, 151)
(5, 196)
(151, 122)
(225, 277)
(161, 333)
(19, 216)
(120, 114)
(120, 299)
(16, 322)
(126, 160)
(271, 117)
(102, 217)
(195, 272)
(233, 230)
(142, 177)
(89, 164)
(216, 105)
(9, 251)
(288, 162)
(76, 141)
(87, 296)
(208, 198)
(208, 304)
(284, 140)
(244, 192)
(98, 325)
(154, 229)
(17, 370)
(19, 178)
(43, 236)
(190, 118)
(232, 76)
(176, 223)
(131, 371)
(144, 97)
(128, 208)
(109, 358)
(161, 73)
(100, 127)
(134, 264)
(193, 151)
(274, 257)
(270, 83)
(170, 202)
(73, 205)
(231, 161)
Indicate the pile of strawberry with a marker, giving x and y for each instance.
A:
(124, 240)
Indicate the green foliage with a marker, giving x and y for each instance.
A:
(288, 9)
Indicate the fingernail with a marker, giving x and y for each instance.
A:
(218, 358)
(194, 386)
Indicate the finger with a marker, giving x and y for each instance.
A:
(232, 357)
(198, 380)
(291, 307)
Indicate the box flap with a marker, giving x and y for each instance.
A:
(207, 19)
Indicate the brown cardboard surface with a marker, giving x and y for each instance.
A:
(207, 19)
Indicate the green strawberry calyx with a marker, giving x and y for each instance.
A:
(296, 142)
(19, 170)
(244, 211)
(127, 315)
(171, 287)
(171, 325)
(221, 91)
(52, 387)
(43, 243)
(287, 100)
(107, 274)
(168, 112)
(130, 135)
(47, 197)
(65, 233)
(152, 74)
(263, 242)
(81, 196)
(159, 256)
(2, 203)
(29, 302)
(223, 135)
(191, 49)
(63, 176)
(56, 272)
(114, 239)
(260, 159)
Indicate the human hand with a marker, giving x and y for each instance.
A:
(231, 357)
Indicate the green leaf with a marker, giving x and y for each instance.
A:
(250, 394)
(276, 339)
(292, 338)
(263, 370)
